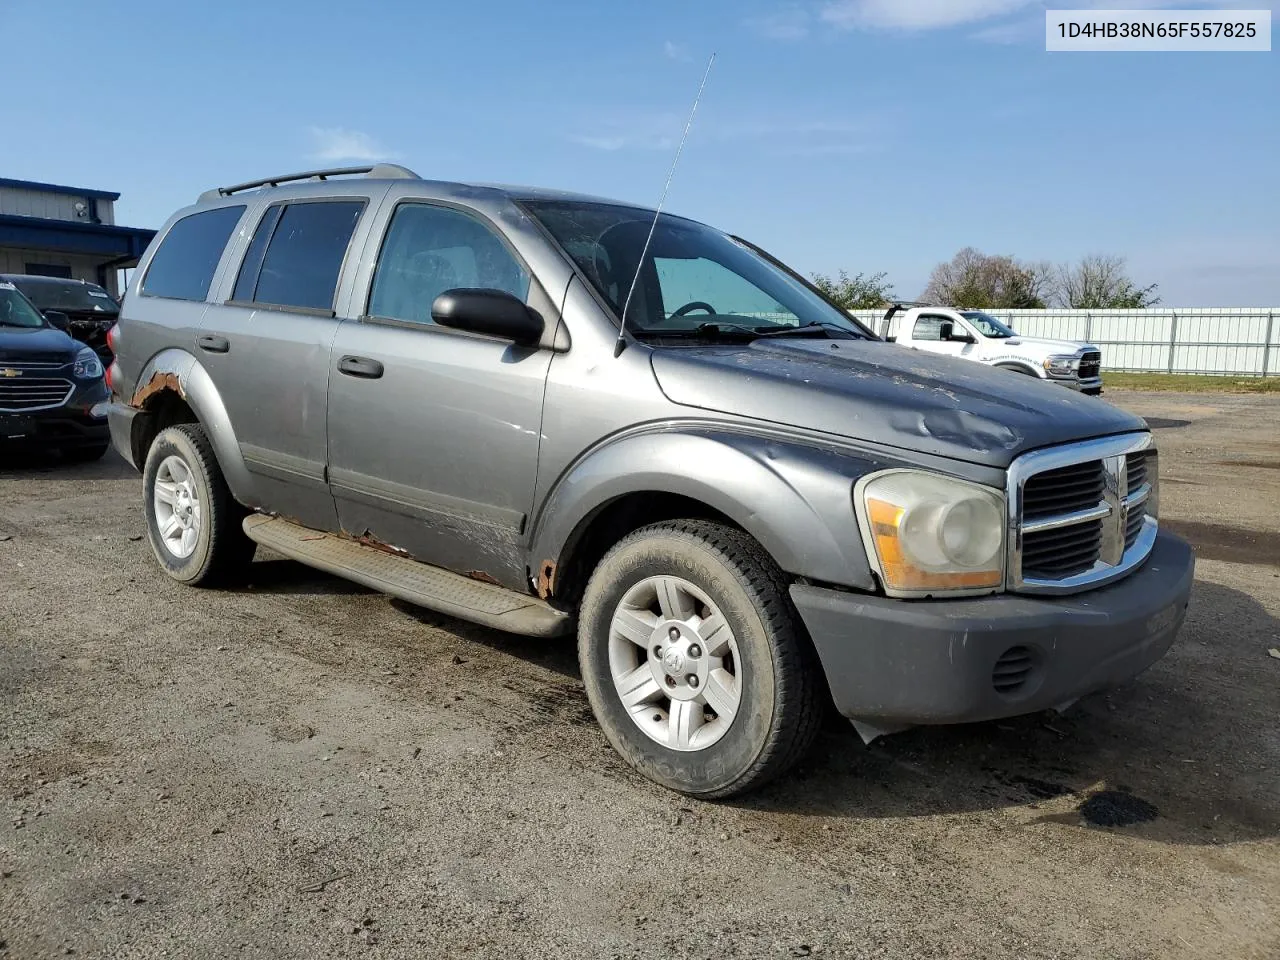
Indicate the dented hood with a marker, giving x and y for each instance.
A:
(882, 393)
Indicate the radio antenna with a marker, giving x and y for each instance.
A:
(622, 327)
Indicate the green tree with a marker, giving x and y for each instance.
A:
(860, 292)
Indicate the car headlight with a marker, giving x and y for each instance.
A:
(1062, 366)
(930, 534)
(87, 366)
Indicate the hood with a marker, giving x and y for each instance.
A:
(1049, 346)
(25, 344)
(883, 393)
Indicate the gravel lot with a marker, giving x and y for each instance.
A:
(306, 769)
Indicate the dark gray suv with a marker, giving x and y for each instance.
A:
(746, 504)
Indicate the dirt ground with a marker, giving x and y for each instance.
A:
(305, 769)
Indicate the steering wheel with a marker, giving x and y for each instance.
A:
(694, 305)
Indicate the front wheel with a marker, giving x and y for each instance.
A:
(193, 522)
(693, 660)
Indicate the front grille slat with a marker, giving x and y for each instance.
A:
(1064, 490)
(33, 393)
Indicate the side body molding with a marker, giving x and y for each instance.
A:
(176, 370)
(796, 500)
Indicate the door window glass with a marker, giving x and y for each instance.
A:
(304, 256)
(429, 250)
(927, 328)
(183, 267)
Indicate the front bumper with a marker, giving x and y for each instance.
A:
(894, 663)
(80, 422)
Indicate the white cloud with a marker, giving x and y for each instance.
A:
(675, 51)
(610, 142)
(789, 23)
(332, 144)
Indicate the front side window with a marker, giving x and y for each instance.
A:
(429, 250)
(183, 267)
(692, 278)
(303, 256)
(988, 325)
(928, 328)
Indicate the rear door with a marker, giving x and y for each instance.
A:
(434, 432)
(266, 345)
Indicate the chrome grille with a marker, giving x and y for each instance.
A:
(1090, 364)
(25, 393)
(1064, 490)
(1079, 513)
(1062, 552)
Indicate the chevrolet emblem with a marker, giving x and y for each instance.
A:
(9, 373)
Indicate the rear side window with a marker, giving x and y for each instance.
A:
(927, 328)
(183, 267)
(305, 245)
(429, 250)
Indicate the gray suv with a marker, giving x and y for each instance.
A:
(747, 505)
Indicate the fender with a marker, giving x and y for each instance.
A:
(175, 369)
(796, 500)
(1021, 366)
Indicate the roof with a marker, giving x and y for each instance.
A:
(58, 188)
(35, 280)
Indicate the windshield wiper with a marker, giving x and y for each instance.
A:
(808, 328)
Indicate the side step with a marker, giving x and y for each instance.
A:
(419, 583)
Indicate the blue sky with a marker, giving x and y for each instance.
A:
(866, 135)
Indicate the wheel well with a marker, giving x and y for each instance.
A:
(1021, 368)
(593, 537)
(164, 408)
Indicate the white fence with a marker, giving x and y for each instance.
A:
(1239, 341)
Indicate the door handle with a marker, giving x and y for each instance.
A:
(213, 344)
(360, 367)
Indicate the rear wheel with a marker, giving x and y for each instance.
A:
(193, 522)
(693, 660)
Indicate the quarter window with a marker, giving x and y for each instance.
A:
(305, 247)
(182, 268)
(429, 250)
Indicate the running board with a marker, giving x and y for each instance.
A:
(418, 583)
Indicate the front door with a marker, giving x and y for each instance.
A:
(433, 432)
(929, 334)
(267, 350)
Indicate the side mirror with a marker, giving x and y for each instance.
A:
(58, 319)
(946, 330)
(494, 312)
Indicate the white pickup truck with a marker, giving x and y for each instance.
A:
(975, 335)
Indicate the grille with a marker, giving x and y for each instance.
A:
(33, 393)
(1136, 469)
(1133, 526)
(24, 362)
(1090, 365)
(1065, 490)
(1064, 552)
(1012, 670)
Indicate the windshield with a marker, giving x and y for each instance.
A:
(69, 296)
(15, 311)
(694, 279)
(987, 325)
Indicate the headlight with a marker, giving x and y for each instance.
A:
(1062, 366)
(88, 366)
(929, 534)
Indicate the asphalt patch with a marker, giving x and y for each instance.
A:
(1115, 808)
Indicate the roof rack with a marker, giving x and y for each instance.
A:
(377, 171)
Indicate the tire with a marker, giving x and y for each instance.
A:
(765, 659)
(85, 454)
(210, 547)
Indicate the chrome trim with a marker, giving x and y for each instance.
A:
(71, 388)
(1068, 519)
(1114, 560)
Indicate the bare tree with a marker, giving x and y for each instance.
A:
(975, 279)
(1100, 282)
(860, 292)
